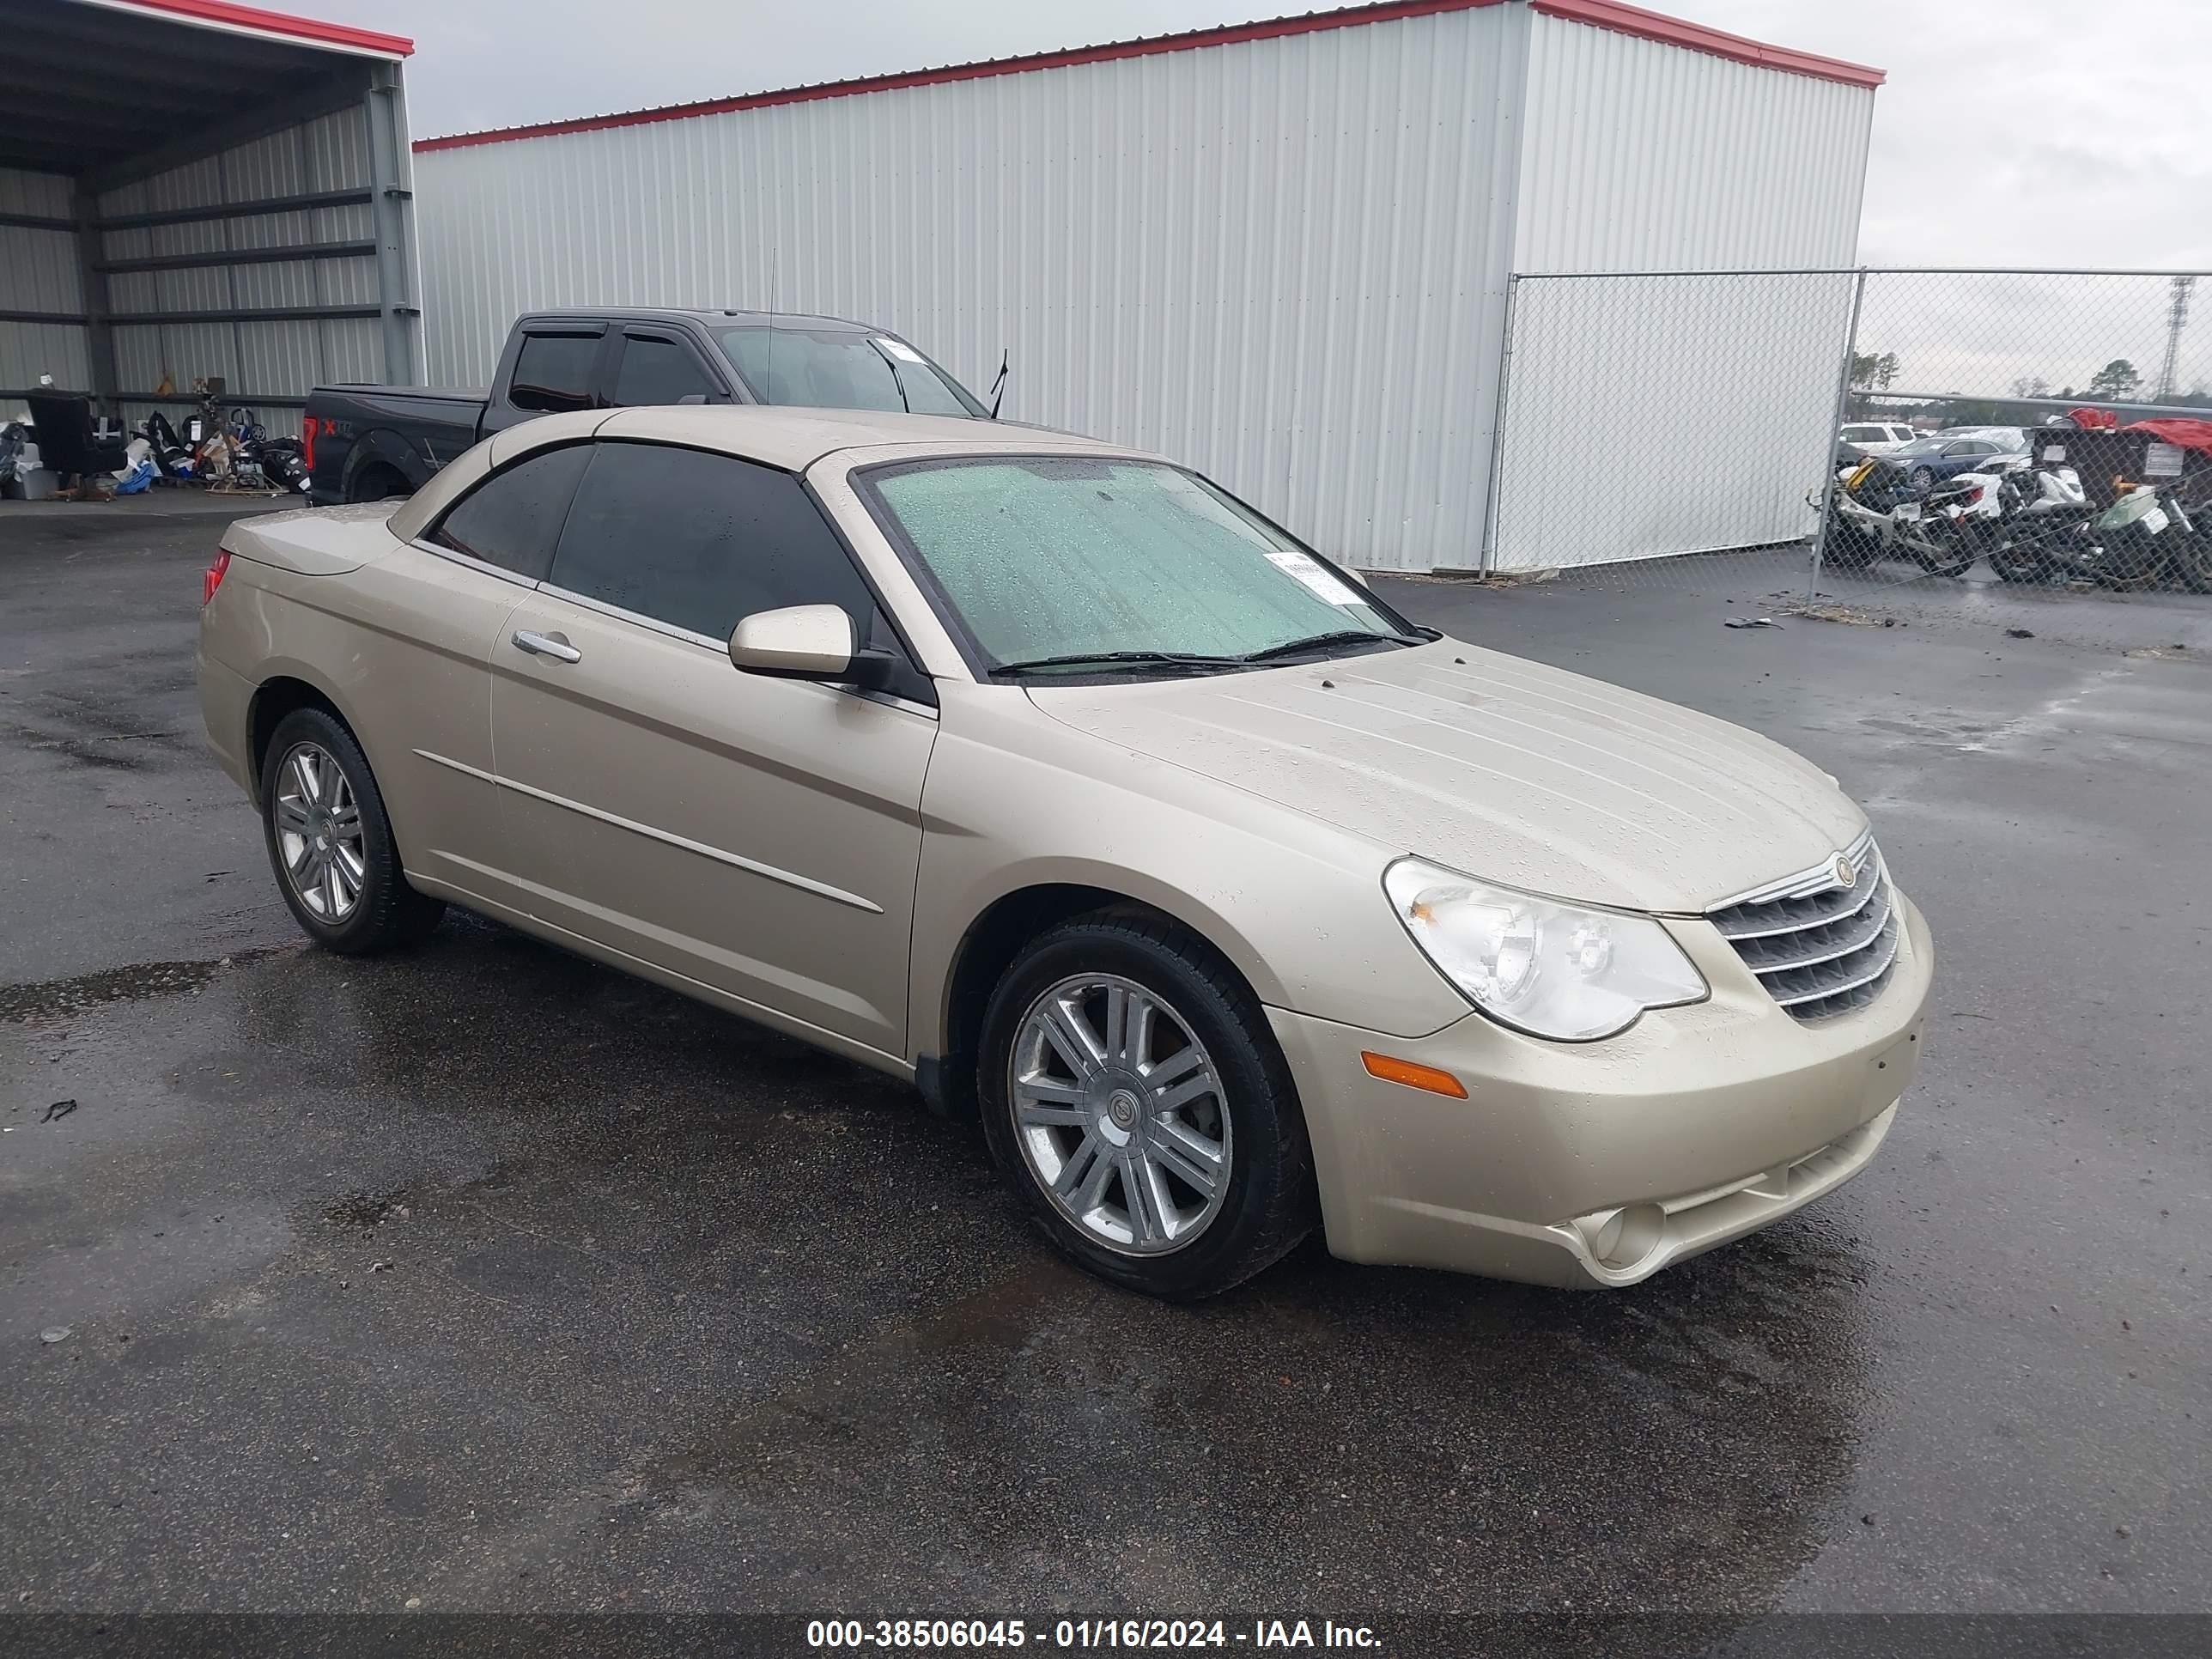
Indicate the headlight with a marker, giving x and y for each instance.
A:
(1550, 969)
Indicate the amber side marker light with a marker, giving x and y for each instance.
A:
(1391, 1069)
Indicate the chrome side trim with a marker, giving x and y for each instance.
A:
(1821, 879)
(736, 861)
(514, 578)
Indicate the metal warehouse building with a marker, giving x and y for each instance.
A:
(1278, 251)
(193, 189)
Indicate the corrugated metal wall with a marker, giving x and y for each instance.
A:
(1642, 156)
(38, 272)
(258, 358)
(1650, 415)
(1283, 260)
(1268, 259)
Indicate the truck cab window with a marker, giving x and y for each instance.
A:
(658, 371)
(553, 372)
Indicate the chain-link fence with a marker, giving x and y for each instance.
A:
(1891, 437)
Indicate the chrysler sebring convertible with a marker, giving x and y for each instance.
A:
(1047, 775)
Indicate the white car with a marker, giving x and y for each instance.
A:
(1877, 437)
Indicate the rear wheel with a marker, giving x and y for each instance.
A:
(1136, 1105)
(376, 483)
(1849, 547)
(2016, 563)
(329, 841)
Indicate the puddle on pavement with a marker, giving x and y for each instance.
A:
(55, 998)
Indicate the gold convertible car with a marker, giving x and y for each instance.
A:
(1047, 775)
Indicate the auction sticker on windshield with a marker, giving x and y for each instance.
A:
(898, 349)
(1315, 575)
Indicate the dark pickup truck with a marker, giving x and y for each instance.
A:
(364, 443)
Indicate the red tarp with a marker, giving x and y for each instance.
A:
(2182, 434)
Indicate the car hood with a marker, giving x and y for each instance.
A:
(1495, 766)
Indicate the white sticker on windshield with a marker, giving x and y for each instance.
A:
(1316, 576)
(898, 349)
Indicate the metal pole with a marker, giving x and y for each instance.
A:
(98, 333)
(387, 209)
(1487, 549)
(1829, 438)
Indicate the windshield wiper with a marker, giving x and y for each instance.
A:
(1121, 659)
(1318, 641)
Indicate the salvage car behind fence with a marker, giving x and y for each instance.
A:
(2066, 422)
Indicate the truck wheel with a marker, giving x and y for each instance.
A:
(377, 483)
(1136, 1105)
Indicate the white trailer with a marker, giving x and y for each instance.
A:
(1280, 250)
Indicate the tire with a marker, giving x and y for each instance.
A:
(1266, 1202)
(376, 483)
(355, 905)
(2015, 564)
(1849, 547)
(1918, 479)
(2192, 564)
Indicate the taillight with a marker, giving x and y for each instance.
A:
(1974, 495)
(307, 441)
(211, 578)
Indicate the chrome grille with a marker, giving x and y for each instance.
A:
(1819, 949)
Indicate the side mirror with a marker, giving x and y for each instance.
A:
(800, 642)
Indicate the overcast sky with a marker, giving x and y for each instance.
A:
(2049, 132)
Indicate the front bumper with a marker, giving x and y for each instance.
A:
(1698, 1124)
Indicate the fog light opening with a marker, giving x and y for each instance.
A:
(1621, 1239)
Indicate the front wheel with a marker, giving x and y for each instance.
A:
(2015, 564)
(1136, 1105)
(331, 843)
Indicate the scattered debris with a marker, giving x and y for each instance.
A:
(1751, 622)
(2020, 633)
(381, 1265)
(2120, 1532)
(58, 1109)
(54, 1333)
(1866, 1520)
(1851, 615)
(2176, 649)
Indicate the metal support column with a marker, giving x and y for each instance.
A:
(92, 280)
(1487, 559)
(387, 206)
(1829, 438)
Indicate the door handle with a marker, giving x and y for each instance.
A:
(547, 645)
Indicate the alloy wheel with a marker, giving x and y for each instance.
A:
(1120, 1113)
(318, 833)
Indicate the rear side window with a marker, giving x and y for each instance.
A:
(698, 540)
(656, 371)
(512, 519)
(553, 372)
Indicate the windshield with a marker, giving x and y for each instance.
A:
(1047, 557)
(842, 369)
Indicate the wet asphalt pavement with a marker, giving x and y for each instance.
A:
(488, 1278)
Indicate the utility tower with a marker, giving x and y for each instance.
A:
(2177, 318)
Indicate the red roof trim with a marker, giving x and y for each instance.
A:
(314, 29)
(1718, 43)
(1629, 20)
(1227, 35)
